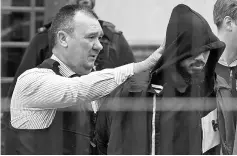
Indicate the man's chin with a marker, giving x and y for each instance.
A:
(84, 71)
(91, 68)
(196, 79)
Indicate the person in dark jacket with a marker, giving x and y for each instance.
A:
(173, 109)
(225, 18)
(116, 52)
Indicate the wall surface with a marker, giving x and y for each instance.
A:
(145, 21)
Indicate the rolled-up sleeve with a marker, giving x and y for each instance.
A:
(42, 88)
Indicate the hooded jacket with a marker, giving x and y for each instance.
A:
(146, 121)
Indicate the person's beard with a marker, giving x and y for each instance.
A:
(191, 79)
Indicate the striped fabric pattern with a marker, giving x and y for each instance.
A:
(39, 92)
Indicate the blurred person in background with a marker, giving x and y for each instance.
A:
(115, 52)
(173, 110)
(225, 18)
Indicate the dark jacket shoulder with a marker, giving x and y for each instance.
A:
(134, 86)
(44, 28)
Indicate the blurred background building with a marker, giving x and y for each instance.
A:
(143, 23)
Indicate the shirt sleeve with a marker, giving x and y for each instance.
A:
(42, 88)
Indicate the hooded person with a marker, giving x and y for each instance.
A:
(173, 109)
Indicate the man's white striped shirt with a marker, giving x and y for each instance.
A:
(39, 92)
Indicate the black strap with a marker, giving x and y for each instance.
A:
(50, 64)
(74, 75)
(234, 79)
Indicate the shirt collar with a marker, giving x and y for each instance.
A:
(63, 68)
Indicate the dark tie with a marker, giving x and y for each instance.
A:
(74, 75)
(233, 80)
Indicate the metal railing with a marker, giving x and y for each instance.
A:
(32, 9)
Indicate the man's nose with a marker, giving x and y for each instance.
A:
(98, 46)
(200, 57)
(84, 2)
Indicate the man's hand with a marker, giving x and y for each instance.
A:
(162, 46)
(154, 57)
(150, 62)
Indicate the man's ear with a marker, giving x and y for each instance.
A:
(62, 38)
(227, 23)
